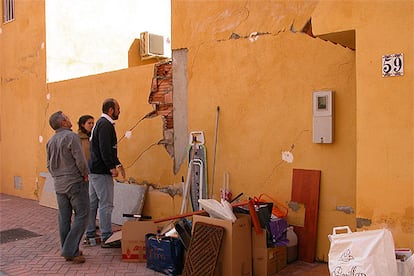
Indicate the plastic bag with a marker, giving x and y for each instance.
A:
(164, 254)
(277, 233)
(361, 253)
(215, 209)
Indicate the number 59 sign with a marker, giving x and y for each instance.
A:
(393, 65)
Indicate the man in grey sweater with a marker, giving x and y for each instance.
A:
(67, 164)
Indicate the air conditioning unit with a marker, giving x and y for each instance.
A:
(151, 45)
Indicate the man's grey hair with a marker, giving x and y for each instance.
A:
(55, 120)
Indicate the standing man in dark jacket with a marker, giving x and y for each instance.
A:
(67, 164)
(103, 166)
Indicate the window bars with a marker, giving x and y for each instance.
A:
(8, 10)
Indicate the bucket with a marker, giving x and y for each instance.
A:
(292, 247)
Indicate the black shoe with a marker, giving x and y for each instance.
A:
(114, 244)
(76, 260)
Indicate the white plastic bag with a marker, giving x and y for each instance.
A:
(216, 209)
(361, 253)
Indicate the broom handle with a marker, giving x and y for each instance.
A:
(214, 155)
(180, 216)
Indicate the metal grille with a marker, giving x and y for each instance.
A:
(8, 9)
(204, 250)
(16, 234)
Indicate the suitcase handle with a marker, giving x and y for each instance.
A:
(341, 228)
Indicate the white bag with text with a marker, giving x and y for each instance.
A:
(362, 253)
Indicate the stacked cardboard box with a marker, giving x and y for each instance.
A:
(267, 261)
(241, 247)
(280, 253)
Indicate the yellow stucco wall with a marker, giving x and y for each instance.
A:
(385, 110)
(131, 88)
(263, 85)
(264, 90)
(23, 90)
(265, 112)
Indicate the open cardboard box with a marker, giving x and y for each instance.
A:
(235, 256)
(132, 237)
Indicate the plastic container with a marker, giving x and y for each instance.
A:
(292, 247)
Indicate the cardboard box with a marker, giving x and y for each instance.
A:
(236, 250)
(280, 253)
(133, 240)
(264, 264)
(267, 261)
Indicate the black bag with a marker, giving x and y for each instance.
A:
(164, 254)
(263, 210)
(264, 213)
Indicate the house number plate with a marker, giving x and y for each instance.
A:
(393, 65)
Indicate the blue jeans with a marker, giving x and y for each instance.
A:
(77, 201)
(101, 195)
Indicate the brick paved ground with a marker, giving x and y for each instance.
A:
(41, 255)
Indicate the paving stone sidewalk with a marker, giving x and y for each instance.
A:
(41, 255)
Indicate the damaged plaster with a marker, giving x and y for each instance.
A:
(345, 38)
(345, 209)
(294, 206)
(361, 222)
(169, 99)
(172, 190)
(162, 100)
(307, 29)
(297, 213)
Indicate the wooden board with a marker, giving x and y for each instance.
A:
(305, 189)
